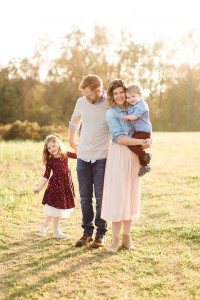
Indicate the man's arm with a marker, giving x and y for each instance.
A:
(72, 142)
(74, 125)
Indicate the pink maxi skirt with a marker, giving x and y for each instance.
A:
(122, 185)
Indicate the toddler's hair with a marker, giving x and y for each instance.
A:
(135, 87)
(46, 154)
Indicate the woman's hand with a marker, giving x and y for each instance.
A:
(147, 143)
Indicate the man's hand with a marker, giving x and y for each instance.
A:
(74, 145)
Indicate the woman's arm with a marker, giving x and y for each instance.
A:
(128, 141)
(115, 128)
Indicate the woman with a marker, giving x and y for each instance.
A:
(122, 186)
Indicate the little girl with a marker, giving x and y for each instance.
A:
(59, 196)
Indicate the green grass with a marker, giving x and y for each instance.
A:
(165, 264)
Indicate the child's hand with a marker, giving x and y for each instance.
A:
(36, 190)
(125, 118)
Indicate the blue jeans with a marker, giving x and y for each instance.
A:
(91, 177)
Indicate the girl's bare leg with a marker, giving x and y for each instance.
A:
(47, 221)
(57, 234)
(43, 229)
(56, 223)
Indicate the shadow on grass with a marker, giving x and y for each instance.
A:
(34, 256)
(82, 258)
(24, 246)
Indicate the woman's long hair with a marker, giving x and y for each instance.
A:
(112, 86)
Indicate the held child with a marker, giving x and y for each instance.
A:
(59, 196)
(138, 111)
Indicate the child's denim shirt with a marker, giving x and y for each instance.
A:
(141, 110)
(117, 127)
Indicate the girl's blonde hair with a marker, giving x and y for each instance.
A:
(54, 139)
(112, 86)
(136, 88)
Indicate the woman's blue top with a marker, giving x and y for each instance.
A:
(117, 127)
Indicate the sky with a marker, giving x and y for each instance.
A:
(24, 22)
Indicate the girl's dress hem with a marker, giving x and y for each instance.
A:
(57, 212)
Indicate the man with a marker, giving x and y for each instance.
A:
(90, 111)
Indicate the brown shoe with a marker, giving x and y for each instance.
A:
(84, 240)
(144, 170)
(98, 242)
(147, 158)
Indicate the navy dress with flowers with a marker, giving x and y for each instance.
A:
(60, 191)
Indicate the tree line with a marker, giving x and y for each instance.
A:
(172, 86)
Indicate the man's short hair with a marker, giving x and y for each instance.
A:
(91, 81)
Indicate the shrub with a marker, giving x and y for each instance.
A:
(23, 131)
(3, 129)
(30, 130)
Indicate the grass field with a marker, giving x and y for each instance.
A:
(166, 263)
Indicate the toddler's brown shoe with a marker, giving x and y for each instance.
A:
(144, 170)
(147, 157)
